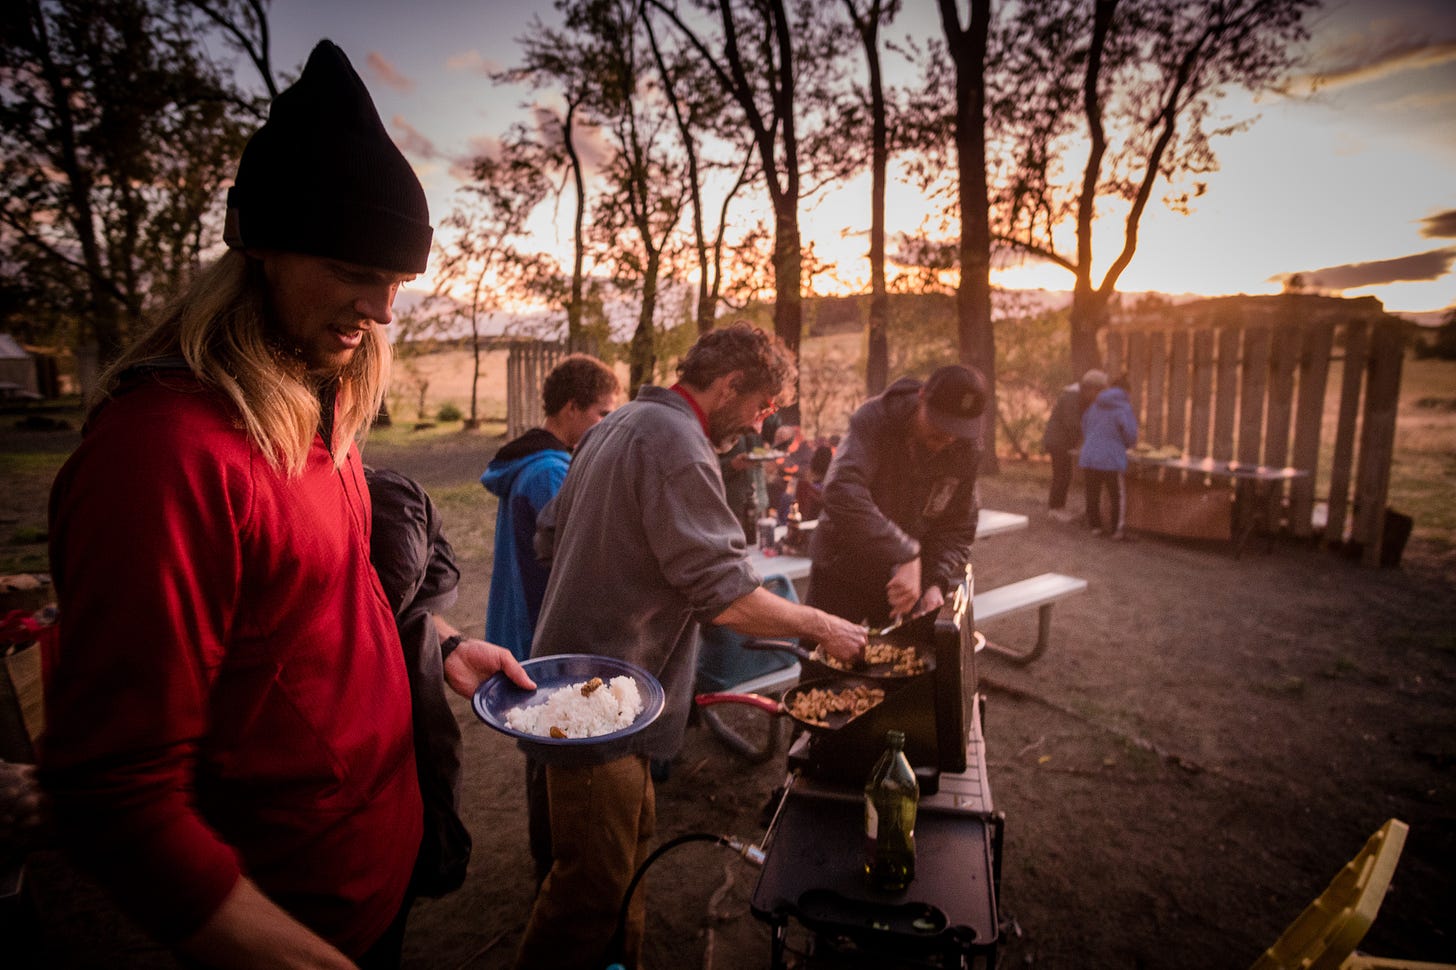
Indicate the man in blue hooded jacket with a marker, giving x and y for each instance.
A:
(526, 474)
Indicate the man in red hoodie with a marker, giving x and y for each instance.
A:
(228, 741)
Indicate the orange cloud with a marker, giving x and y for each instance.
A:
(385, 72)
(1370, 59)
(411, 142)
(1420, 267)
(472, 62)
(1442, 225)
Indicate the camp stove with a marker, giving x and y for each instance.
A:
(813, 891)
(933, 709)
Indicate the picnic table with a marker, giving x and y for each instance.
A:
(795, 568)
(1254, 495)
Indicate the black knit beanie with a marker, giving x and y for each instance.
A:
(322, 177)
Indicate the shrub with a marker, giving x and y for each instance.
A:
(449, 412)
(1441, 344)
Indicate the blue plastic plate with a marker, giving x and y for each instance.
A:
(498, 695)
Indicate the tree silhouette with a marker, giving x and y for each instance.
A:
(559, 60)
(867, 22)
(642, 199)
(1138, 80)
(700, 109)
(488, 222)
(117, 133)
(761, 79)
(967, 45)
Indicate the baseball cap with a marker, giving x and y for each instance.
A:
(955, 396)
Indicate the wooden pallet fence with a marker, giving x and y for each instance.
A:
(1248, 379)
(527, 364)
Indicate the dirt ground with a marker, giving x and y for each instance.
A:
(1206, 743)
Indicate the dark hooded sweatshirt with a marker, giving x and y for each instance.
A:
(525, 474)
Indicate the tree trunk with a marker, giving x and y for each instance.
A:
(1089, 316)
(973, 296)
(788, 252)
(105, 312)
(788, 273)
(474, 419)
(1089, 305)
(574, 308)
(643, 352)
(877, 362)
(707, 303)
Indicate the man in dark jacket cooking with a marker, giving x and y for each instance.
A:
(900, 503)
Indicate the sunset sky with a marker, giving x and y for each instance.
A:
(1352, 186)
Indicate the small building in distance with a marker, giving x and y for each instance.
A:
(19, 379)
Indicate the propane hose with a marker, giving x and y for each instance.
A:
(616, 950)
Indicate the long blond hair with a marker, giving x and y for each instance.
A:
(219, 327)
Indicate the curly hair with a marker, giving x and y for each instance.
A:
(580, 378)
(767, 364)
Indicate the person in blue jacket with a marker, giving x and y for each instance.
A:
(1109, 428)
(526, 474)
(1063, 438)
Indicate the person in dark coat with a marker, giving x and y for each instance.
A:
(416, 567)
(1064, 436)
(900, 503)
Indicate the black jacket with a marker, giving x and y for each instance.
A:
(1064, 427)
(887, 500)
(417, 569)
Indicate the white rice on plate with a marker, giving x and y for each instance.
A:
(585, 710)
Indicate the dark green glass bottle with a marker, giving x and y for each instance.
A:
(892, 796)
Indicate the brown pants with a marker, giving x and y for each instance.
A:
(602, 818)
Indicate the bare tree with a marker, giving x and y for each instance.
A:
(643, 197)
(555, 59)
(482, 257)
(1138, 81)
(117, 132)
(699, 108)
(761, 78)
(827, 395)
(244, 23)
(867, 21)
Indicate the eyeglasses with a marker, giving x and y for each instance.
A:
(766, 410)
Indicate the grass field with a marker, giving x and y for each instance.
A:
(1422, 485)
(1423, 481)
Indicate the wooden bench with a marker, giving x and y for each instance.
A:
(1039, 592)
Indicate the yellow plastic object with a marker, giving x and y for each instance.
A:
(1361, 961)
(1330, 928)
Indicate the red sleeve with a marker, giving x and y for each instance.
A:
(145, 548)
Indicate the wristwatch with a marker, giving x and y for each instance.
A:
(448, 645)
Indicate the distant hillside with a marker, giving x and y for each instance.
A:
(1430, 318)
(826, 316)
(1268, 310)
